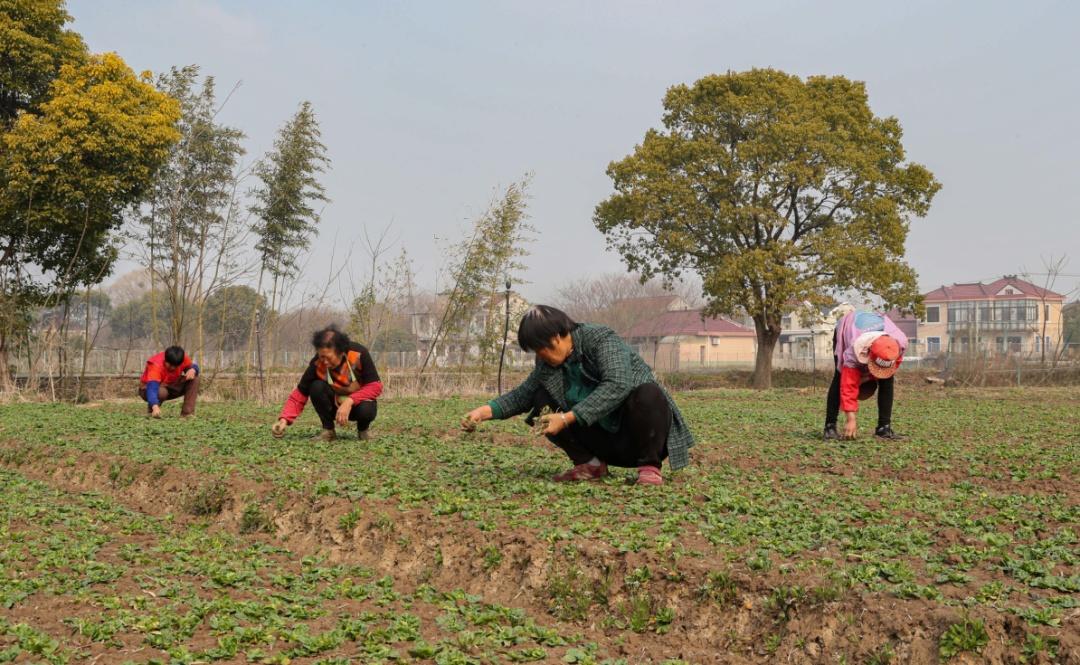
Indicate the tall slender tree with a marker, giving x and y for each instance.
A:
(286, 200)
(482, 262)
(184, 223)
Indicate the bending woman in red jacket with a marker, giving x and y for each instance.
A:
(867, 349)
(342, 383)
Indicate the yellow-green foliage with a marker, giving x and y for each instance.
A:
(33, 47)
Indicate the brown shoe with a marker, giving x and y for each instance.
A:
(584, 471)
(649, 475)
(362, 435)
(325, 435)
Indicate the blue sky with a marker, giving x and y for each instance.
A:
(428, 107)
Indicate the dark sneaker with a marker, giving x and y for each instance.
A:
(831, 434)
(325, 435)
(885, 432)
(362, 434)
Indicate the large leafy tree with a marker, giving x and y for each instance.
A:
(773, 189)
(72, 160)
(228, 314)
(132, 321)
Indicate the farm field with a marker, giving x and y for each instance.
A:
(128, 539)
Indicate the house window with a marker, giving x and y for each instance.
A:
(933, 314)
(715, 341)
(785, 321)
(1014, 344)
(1000, 345)
(933, 344)
(962, 312)
(1046, 312)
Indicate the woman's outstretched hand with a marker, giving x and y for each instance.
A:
(473, 418)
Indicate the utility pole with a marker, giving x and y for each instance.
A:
(506, 331)
(259, 358)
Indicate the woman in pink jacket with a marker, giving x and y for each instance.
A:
(867, 350)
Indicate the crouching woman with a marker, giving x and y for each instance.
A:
(607, 408)
(342, 383)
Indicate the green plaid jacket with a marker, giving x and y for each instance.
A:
(616, 367)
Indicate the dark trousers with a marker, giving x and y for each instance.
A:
(645, 419)
(189, 390)
(884, 388)
(324, 400)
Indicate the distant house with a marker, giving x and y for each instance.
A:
(624, 314)
(1004, 316)
(804, 337)
(686, 338)
(451, 346)
(906, 322)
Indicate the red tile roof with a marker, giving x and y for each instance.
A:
(688, 322)
(980, 291)
(907, 324)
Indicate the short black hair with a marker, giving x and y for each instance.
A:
(540, 324)
(174, 355)
(330, 337)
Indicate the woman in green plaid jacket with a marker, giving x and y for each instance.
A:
(606, 407)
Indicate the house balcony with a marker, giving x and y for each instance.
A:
(992, 326)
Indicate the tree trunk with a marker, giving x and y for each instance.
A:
(254, 315)
(7, 382)
(80, 394)
(1042, 342)
(767, 335)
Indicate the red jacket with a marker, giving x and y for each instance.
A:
(156, 371)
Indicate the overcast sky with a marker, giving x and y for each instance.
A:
(427, 107)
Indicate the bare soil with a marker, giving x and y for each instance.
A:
(414, 547)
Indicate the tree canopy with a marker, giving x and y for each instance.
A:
(81, 138)
(288, 192)
(774, 190)
(70, 170)
(34, 44)
(228, 314)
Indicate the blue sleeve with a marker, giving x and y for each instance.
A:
(152, 392)
(195, 365)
